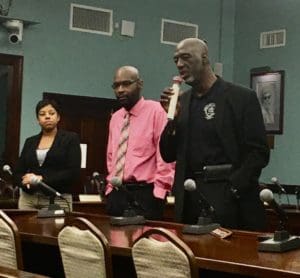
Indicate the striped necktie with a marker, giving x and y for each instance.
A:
(122, 148)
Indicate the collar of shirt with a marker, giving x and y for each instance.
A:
(136, 109)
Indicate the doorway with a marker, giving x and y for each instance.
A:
(11, 72)
(89, 117)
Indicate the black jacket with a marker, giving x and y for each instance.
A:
(61, 167)
(241, 130)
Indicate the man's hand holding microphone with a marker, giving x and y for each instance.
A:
(169, 98)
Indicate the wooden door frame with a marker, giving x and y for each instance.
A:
(13, 117)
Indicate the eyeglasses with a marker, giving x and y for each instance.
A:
(125, 83)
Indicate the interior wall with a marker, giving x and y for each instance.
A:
(59, 60)
(252, 18)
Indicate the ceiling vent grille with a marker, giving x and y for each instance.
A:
(274, 38)
(173, 32)
(91, 19)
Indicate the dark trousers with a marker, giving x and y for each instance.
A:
(245, 213)
(136, 197)
(216, 194)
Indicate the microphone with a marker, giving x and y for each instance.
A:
(100, 183)
(96, 176)
(130, 216)
(190, 185)
(116, 182)
(266, 195)
(36, 181)
(281, 188)
(282, 240)
(204, 224)
(6, 168)
(275, 181)
(177, 80)
(96, 180)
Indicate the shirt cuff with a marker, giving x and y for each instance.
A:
(159, 192)
(109, 189)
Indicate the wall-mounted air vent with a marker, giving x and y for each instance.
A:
(91, 19)
(173, 32)
(274, 38)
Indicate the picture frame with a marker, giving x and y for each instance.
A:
(269, 88)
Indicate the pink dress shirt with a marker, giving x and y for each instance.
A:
(142, 161)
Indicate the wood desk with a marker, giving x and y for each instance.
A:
(236, 255)
(293, 224)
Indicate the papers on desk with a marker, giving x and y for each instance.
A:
(90, 198)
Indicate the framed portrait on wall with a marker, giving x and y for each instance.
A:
(269, 87)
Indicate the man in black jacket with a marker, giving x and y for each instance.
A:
(216, 123)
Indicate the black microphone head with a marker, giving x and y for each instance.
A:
(189, 185)
(116, 182)
(266, 195)
(96, 175)
(34, 180)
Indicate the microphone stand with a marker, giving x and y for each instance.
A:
(282, 240)
(279, 197)
(129, 216)
(53, 210)
(100, 184)
(204, 224)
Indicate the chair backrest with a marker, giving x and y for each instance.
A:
(170, 258)
(84, 250)
(10, 244)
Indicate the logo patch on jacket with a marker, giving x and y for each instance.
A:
(209, 111)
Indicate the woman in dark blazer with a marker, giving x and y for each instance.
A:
(53, 157)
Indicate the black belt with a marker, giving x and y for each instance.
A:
(213, 173)
(137, 185)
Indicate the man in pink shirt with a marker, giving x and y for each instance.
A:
(145, 177)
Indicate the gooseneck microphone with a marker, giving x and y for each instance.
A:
(177, 80)
(266, 195)
(130, 215)
(100, 183)
(282, 240)
(116, 182)
(275, 181)
(96, 175)
(37, 181)
(190, 185)
(6, 168)
(54, 210)
(204, 224)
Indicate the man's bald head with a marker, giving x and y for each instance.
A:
(191, 59)
(130, 71)
(194, 43)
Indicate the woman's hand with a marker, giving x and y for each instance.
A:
(27, 180)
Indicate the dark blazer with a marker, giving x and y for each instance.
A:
(241, 130)
(61, 167)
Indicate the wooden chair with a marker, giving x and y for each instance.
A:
(168, 258)
(10, 244)
(84, 250)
